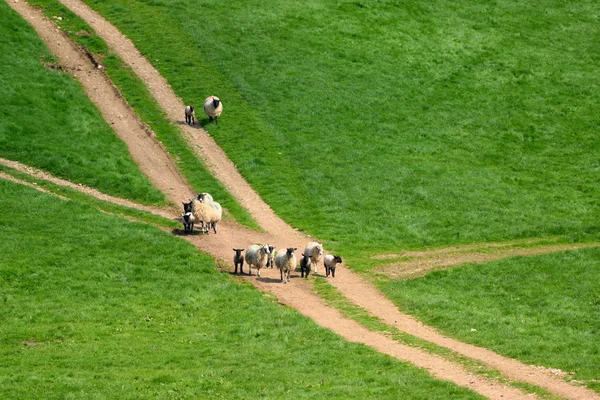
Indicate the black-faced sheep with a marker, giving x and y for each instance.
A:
(238, 259)
(187, 219)
(189, 115)
(330, 262)
(304, 265)
(314, 251)
(200, 211)
(204, 198)
(286, 262)
(270, 262)
(256, 256)
(213, 108)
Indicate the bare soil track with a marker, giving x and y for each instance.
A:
(159, 167)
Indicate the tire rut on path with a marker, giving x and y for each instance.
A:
(296, 294)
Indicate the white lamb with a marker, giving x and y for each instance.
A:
(213, 108)
(256, 256)
(189, 115)
(270, 262)
(331, 262)
(286, 262)
(314, 251)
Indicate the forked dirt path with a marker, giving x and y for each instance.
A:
(297, 294)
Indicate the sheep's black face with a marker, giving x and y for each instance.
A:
(188, 207)
(337, 259)
(290, 251)
(216, 103)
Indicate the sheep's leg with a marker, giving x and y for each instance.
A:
(281, 274)
(258, 273)
(327, 269)
(333, 272)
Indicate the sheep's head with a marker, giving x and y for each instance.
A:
(337, 259)
(266, 249)
(216, 102)
(271, 249)
(290, 251)
(188, 207)
(320, 249)
(238, 252)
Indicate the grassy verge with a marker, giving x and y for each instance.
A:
(94, 306)
(334, 298)
(379, 125)
(101, 205)
(140, 99)
(46, 120)
(541, 310)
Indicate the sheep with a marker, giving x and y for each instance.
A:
(213, 108)
(314, 251)
(256, 256)
(214, 216)
(304, 265)
(187, 219)
(330, 262)
(202, 213)
(270, 262)
(189, 115)
(238, 259)
(286, 262)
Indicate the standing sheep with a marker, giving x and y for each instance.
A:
(286, 262)
(270, 262)
(256, 256)
(187, 219)
(189, 115)
(314, 251)
(304, 265)
(330, 263)
(200, 211)
(238, 259)
(213, 108)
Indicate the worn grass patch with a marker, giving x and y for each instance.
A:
(46, 120)
(541, 310)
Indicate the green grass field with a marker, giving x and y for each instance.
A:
(94, 306)
(542, 310)
(47, 122)
(380, 125)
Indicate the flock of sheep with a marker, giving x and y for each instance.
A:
(260, 256)
(207, 213)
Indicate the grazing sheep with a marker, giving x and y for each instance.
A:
(189, 115)
(330, 263)
(204, 198)
(187, 219)
(304, 265)
(286, 262)
(256, 256)
(270, 262)
(238, 259)
(214, 216)
(314, 251)
(213, 108)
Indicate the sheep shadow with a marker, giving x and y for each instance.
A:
(181, 232)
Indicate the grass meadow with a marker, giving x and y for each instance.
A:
(95, 306)
(542, 310)
(380, 125)
(46, 120)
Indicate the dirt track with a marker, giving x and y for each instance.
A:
(156, 163)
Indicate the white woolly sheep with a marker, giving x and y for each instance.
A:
(330, 262)
(238, 259)
(256, 256)
(213, 108)
(202, 213)
(189, 115)
(214, 216)
(304, 265)
(286, 262)
(314, 251)
(270, 262)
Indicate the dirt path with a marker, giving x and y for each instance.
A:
(157, 165)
